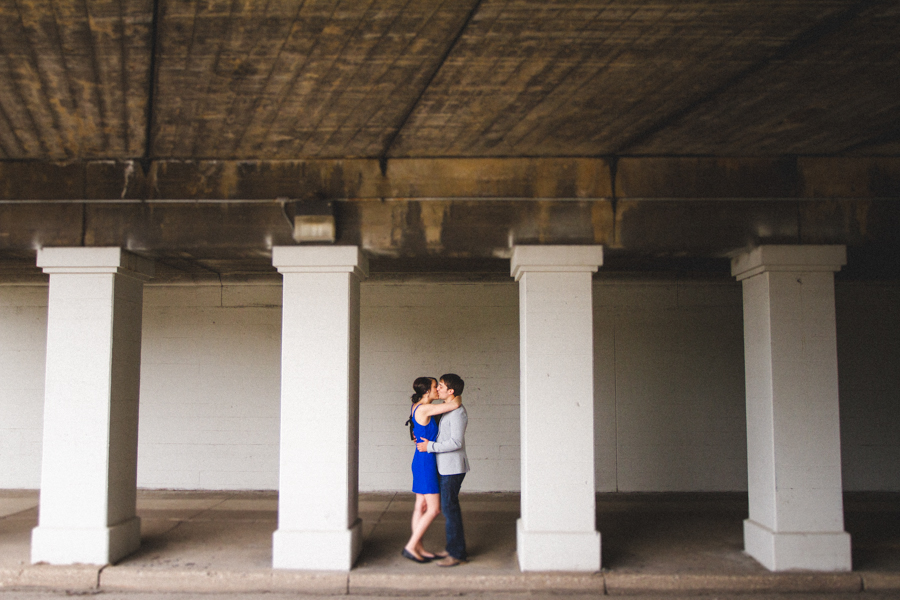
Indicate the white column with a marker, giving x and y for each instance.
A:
(793, 426)
(557, 530)
(318, 500)
(89, 468)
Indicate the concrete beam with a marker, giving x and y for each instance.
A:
(455, 178)
(451, 228)
(168, 180)
(706, 178)
(225, 216)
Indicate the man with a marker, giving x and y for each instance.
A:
(452, 464)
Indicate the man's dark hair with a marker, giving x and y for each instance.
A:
(454, 382)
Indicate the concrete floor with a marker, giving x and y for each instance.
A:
(652, 543)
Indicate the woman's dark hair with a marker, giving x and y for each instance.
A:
(422, 385)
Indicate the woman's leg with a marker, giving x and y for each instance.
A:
(432, 508)
(419, 547)
(418, 511)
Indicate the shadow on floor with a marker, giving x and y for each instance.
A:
(641, 533)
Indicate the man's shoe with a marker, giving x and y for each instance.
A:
(449, 561)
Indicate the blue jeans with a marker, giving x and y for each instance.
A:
(456, 539)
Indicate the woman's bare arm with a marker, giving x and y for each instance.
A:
(429, 410)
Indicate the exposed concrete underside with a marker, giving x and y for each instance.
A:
(672, 133)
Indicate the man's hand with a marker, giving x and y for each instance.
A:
(423, 445)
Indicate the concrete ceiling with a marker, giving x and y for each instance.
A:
(405, 101)
(293, 79)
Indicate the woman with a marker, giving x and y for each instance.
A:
(424, 466)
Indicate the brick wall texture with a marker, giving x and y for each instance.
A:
(668, 383)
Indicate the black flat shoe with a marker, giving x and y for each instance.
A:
(407, 554)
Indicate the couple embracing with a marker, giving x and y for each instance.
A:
(439, 466)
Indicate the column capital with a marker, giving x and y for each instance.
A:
(555, 259)
(320, 259)
(799, 258)
(88, 260)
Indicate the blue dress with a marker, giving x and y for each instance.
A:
(424, 464)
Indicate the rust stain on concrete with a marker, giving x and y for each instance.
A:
(603, 222)
(621, 211)
(432, 217)
(543, 219)
(229, 179)
(398, 223)
(861, 210)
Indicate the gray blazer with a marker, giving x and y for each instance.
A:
(450, 445)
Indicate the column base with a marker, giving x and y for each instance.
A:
(90, 546)
(557, 550)
(317, 550)
(826, 551)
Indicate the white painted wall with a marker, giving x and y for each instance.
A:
(211, 366)
(868, 335)
(23, 350)
(670, 386)
(668, 383)
(413, 330)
